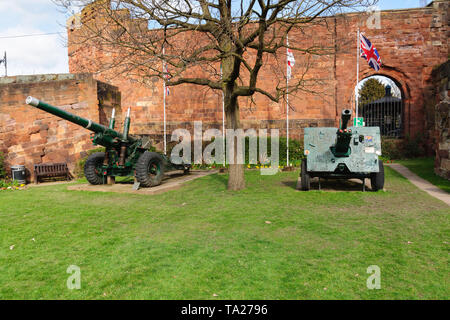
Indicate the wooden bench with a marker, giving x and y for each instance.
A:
(51, 170)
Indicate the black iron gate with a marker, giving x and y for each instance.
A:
(386, 113)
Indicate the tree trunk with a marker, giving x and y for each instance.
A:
(236, 180)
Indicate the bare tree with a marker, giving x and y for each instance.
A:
(220, 44)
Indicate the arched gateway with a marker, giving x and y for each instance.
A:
(381, 104)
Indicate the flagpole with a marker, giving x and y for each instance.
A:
(358, 54)
(164, 102)
(287, 100)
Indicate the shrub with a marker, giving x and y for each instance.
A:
(295, 153)
(394, 149)
(2, 166)
(391, 149)
(295, 150)
(9, 184)
(413, 147)
(79, 167)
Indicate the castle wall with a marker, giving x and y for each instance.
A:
(441, 106)
(411, 42)
(31, 136)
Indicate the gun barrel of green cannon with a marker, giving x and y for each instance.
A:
(112, 121)
(85, 123)
(126, 129)
(344, 136)
(345, 118)
(126, 125)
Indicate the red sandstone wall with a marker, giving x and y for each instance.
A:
(440, 104)
(410, 43)
(30, 136)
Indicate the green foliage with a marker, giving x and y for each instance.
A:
(295, 150)
(394, 149)
(370, 91)
(2, 166)
(413, 147)
(391, 149)
(9, 184)
(79, 167)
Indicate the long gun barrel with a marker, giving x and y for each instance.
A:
(345, 118)
(85, 123)
(344, 135)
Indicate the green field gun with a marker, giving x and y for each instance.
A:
(342, 153)
(124, 154)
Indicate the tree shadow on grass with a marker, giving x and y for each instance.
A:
(222, 178)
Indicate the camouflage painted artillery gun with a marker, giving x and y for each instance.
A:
(343, 153)
(124, 156)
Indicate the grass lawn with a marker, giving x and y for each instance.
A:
(424, 168)
(203, 240)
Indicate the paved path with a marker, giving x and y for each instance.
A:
(172, 181)
(421, 183)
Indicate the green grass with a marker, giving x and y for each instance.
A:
(424, 168)
(202, 240)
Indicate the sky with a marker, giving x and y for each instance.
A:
(39, 53)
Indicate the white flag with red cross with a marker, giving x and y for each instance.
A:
(290, 63)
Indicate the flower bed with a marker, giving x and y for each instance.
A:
(10, 185)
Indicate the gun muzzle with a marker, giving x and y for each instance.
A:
(32, 101)
(346, 114)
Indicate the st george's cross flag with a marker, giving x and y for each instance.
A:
(167, 78)
(290, 63)
(370, 53)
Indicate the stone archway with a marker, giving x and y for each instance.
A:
(380, 104)
(401, 81)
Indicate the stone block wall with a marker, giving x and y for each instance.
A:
(31, 136)
(411, 42)
(441, 77)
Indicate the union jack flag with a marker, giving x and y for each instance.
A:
(370, 53)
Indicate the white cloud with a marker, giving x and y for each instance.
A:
(36, 54)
